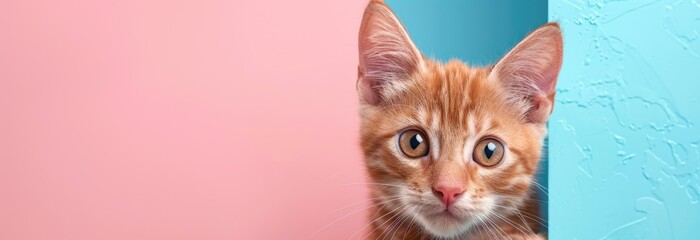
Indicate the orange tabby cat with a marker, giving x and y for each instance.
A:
(451, 150)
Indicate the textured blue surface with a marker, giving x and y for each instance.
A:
(624, 161)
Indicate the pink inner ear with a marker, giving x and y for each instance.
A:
(545, 81)
(530, 72)
(550, 73)
(365, 89)
(542, 107)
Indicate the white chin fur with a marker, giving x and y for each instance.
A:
(443, 227)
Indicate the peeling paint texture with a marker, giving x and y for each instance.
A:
(624, 159)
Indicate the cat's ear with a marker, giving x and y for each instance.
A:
(529, 72)
(388, 57)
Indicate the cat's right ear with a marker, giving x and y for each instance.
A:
(388, 57)
(530, 70)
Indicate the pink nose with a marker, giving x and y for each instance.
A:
(447, 193)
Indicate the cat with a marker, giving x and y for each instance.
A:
(451, 150)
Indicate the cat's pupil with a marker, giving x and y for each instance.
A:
(415, 141)
(489, 149)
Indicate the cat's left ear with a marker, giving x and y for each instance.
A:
(529, 72)
(388, 57)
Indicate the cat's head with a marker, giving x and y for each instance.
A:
(448, 145)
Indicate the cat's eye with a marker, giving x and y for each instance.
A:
(488, 152)
(414, 143)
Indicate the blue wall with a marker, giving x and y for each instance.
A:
(624, 161)
(478, 32)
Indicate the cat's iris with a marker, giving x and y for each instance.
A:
(488, 152)
(413, 143)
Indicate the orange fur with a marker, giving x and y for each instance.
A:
(455, 105)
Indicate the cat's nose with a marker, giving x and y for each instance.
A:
(448, 193)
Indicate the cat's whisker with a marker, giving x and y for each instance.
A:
(405, 217)
(359, 202)
(394, 224)
(391, 219)
(523, 198)
(499, 229)
(479, 227)
(535, 218)
(373, 184)
(413, 220)
(349, 214)
(520, 216)
(484, 225)
(523, 213)
(518, 227)
(494, 232)
(372, 222)
(544, 189)
(487, 226)
(496, 229)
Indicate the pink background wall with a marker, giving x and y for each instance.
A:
(179, 120)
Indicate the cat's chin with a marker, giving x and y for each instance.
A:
(446, 224)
